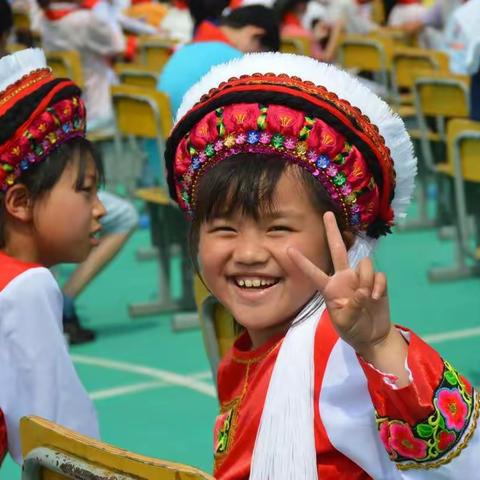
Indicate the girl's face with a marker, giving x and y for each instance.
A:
(245, 264)
(65, 219)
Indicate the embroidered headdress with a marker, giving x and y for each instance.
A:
(330, 124)
(309, 113)
(37, 113)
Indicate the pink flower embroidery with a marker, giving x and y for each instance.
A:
(403, 442)
(384, 436)
(445, 439)
(453, 408)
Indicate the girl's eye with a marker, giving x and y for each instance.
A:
(222, 228)
(280, 228)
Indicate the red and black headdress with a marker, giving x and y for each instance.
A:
(310, 113)
(37, 113)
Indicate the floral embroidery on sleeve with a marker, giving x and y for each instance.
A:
(440, 437)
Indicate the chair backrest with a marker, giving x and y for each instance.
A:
(296, 44)
(154, 52)
(218, 328)
(51, 452)
(66, 64)
(378, 12)
(368, 53)
(21, 20)
(463, 141)
(138, 75)
(408, 63)
(141, 112)
(442, 95)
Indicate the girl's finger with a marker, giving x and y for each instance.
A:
(338, 250)
(366, 274)
(379, 286)
(319, 278)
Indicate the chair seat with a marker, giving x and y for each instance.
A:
(417, 134)
(155, 195)
(445, 168)
(405, 110)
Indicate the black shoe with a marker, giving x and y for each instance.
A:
(75, 333)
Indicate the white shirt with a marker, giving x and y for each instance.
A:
(96, 40)
(37, 376)
(351, 13)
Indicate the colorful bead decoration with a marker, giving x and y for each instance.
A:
(441, 436)
(52, 127)
(309, 142)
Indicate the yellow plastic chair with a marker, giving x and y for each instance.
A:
(462, 165)
(217, 324)
(21, 20)
(66, 64)
(297, 45)
(378, 12)
(409, 63)
(440, 97)
(137, 75)
(140, 113)
(367, 54)
(154, 52)
(52, 452)
(15, 47)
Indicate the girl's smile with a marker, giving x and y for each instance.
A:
(245, 264)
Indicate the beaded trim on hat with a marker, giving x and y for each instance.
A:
(309, 142)
(52, 127)
(363, 195)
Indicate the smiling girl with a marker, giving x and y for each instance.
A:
(49, 214)
(290, 171)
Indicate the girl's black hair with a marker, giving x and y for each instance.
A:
(247, 183)
(42, 177)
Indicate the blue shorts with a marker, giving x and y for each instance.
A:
(121, 216)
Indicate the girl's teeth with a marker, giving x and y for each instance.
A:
(254, 283)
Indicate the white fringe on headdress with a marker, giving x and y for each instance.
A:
(15, 66)
(285, 443)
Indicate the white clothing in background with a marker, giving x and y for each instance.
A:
(97, 41)
(349, 12)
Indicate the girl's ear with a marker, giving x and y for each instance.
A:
(18, 202)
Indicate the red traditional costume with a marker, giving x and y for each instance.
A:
(37, 376)
(305, 405)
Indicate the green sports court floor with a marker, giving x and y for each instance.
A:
(152, 387)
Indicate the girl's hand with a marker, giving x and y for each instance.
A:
(356, 298)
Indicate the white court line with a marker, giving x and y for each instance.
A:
(171, 378)
(453, 335)
(137, 387)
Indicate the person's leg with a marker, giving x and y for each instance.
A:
(117, 226)
(475, 97)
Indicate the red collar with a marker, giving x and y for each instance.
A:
(58, 11)
(292, 20)
(208, 32)
(89, 4)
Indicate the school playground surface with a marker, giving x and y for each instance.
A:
(152, 387)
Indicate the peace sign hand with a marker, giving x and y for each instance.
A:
(356, 298)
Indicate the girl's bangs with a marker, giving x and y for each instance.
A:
(242, 183)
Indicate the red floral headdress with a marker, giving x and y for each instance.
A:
(299, 120)
(58, 113)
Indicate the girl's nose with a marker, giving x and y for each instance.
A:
(249, 250)
(99, 209)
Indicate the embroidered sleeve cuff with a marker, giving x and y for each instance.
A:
(427, 423)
